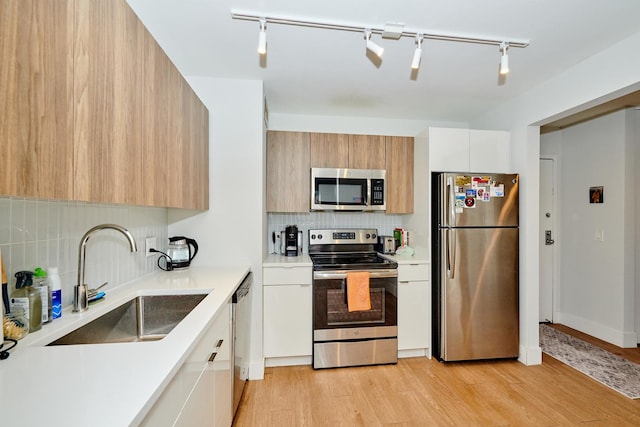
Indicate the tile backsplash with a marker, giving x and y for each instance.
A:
(382, 222)
(44, 233)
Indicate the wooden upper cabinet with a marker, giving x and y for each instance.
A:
(158, 106)
(92, 109)
(36, 87)
(288, 172)
(399, 165)
(194, 146)
(366, 152)
(175, 137)
(329, 150)
(108, 97)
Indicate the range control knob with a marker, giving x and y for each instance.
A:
(313, 237)
(319, 236)
(373, 236)
(368, 236)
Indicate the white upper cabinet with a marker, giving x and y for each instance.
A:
(489, 151)
(448, 149)
(468, 150)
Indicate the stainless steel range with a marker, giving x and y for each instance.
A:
(359, 337)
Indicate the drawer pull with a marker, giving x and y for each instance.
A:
(219, 343)
(213, 356)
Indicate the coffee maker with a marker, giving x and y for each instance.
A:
(291, 241)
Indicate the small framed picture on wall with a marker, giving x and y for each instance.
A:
(596, 194)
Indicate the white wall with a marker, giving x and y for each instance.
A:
(632, 222)
(633, 133)
(595, 293)
(586, 84)
(231, 231)
(353, 125)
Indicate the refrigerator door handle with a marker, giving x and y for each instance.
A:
(451, 204)
(451, 253)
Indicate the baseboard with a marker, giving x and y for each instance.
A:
(415, 352)
(256, 370)
(605, 333)
(287, 361)
(530, 355)
(307, 360)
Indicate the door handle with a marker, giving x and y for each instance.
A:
(451, 253)
(451, 204)
(547, 238)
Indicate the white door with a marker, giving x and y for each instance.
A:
(547, 238)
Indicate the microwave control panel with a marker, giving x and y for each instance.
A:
(377, 192)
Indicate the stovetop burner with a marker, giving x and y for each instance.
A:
(351, 261)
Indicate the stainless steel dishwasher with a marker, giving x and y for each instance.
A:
(241, 321)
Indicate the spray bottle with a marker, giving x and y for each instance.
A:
(28, 299)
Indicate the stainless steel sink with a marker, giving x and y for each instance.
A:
(144, 318)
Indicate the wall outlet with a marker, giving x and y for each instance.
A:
(149, 243)
(599, 235)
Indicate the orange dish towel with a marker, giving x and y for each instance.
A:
(358, 298)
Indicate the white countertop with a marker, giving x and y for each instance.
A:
(420, 256)
(277, 260)
(107, 384)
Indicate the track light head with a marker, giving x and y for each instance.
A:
(417, 55)
(262, 37)
(504, 58)
(371, 46)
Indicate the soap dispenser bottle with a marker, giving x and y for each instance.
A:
(28, 299)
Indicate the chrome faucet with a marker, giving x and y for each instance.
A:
(80, 291)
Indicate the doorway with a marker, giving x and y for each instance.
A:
(548, 213)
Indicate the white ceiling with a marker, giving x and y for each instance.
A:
(323, 72)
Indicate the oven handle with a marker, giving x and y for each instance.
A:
(342, 274)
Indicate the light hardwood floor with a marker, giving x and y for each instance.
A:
(423, 392)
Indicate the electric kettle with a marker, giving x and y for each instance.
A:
(179, 251)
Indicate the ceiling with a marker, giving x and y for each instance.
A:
(314, 71)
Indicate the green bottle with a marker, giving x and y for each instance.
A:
(28, 299)
(42, 284)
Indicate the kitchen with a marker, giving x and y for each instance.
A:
(236, 108)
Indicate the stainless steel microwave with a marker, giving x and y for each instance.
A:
(348, 189)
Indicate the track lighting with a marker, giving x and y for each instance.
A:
(390, 31)
(262, 38)
(417, 55)
(371, 46)
(504, 58)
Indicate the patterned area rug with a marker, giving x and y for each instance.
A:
(611, 370)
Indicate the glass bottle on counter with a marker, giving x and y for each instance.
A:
(28, 299)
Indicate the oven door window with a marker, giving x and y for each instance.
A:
(340, 191)
(339, 315)
(331, 311)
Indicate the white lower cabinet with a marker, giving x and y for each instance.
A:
(287, 320)
(287, 294)
(414, 308)
(200, 393)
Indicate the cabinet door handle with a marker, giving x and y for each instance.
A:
(219, 343)
(213, 356)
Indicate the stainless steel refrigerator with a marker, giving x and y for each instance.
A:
(475, 266)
